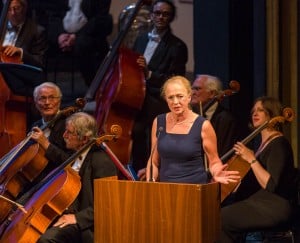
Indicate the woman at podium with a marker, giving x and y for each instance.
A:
(179, 140)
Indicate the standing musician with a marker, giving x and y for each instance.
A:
(162, 55)
(204, 89)
(268, 188)
(83, 32)
(24, 37)
(77, 223)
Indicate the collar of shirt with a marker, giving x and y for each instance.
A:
(79, 160)
(211, 110)
(11, 35)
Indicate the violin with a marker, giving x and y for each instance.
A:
(47, 200)
(236, 163)
(25, 162)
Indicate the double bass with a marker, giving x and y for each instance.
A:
(13, 108)
(119, 90)
(44, 202)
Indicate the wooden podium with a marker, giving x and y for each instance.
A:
(152, 212)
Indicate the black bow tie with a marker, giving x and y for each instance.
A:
(153, 37)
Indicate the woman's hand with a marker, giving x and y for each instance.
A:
(245, 153)
(220, 174)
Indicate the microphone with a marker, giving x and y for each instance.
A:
(160, 129)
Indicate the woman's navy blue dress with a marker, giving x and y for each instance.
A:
(181, 155)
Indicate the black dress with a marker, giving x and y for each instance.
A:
(264, 208)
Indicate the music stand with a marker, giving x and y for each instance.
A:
(22, 78)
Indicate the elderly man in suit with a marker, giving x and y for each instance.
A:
(162, 55)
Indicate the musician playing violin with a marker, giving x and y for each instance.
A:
(77, 223)
(268, 187)
(204, 89)
(23, 37)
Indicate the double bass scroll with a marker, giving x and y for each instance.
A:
(237, 163)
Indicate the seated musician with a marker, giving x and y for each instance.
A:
(264, 196)
(204, 89)
(47, 97)
(77, 223)
(24, 38)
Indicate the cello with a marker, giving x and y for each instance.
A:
(24, 163)
(48, 199)
(236, 163)
(119, 90)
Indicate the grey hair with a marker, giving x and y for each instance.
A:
(212, 83)
(84, 124)
(46, 85)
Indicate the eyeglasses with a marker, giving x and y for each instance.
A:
(164, 14)
(43, 99)
(68, 132)
(197, 88)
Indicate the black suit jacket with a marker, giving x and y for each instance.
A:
(33, 40)
(57, 151)
(169, 58)
(226, 129)
(97, 164)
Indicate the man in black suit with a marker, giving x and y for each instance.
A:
(162, 55)
(77, 222)
(24, 37)
(205, 88)
(47, 97)
(82, 32)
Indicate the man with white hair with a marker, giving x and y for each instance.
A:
(204, 89)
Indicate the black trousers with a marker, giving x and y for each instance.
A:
(69, 233)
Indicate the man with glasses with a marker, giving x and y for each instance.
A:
(47, 97)
(204, 89)
(24, 40)
(76, 224)
(162, 55)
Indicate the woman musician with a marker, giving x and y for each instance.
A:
(268, 187)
